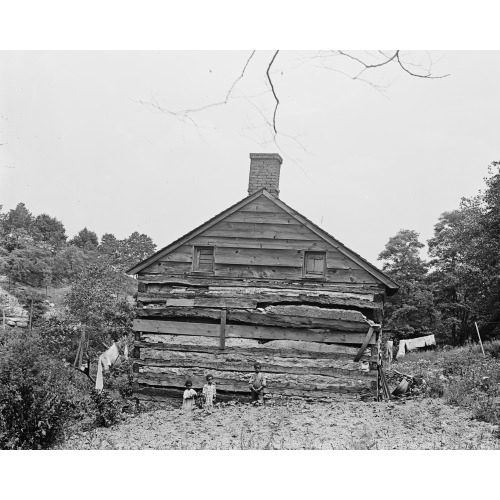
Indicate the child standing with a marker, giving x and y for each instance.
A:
(257, 384)
(188, 397)
(209, 392)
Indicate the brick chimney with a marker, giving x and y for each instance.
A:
(265, 172)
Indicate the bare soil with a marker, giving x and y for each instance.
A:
(423, 424)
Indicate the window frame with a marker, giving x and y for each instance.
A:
(196, 261)
(318, 276)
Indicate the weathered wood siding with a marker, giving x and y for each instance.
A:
(261, 241)
(256, 305)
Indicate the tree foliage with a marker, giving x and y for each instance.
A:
(411, 311)
(460, 285)
(85, 239)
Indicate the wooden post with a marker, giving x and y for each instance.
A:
(222, 338)
(79, 352)
(31, 313)
(479, 336)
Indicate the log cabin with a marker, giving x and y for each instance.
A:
(259, 282)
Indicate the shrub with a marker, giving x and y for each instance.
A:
(120, 379)
(461, 376)
(37, 393)
(106, 412)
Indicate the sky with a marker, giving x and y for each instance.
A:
(82, 140)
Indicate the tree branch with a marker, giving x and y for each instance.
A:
(186, 112)
(428, 75)
(274, 93)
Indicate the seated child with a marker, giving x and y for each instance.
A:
(188, 396)
(257, 384)
(209, 392)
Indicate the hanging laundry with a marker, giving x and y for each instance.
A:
(389, 346)
(105, 361)
(402, 349)
(412, 344)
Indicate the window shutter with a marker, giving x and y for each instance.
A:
(315, 264)
(204, 259)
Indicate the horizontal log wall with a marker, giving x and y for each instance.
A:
(256, 305)
(292, 367)
(250, 331)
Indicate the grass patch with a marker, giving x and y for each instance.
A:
(461, 376)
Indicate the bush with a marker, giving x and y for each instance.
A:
(60, 337)
(106, 412)
(462, 377)
(37, 393)
(120, 378)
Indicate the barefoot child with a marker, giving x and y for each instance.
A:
(188, 397)
(257, 384)
(209, 392)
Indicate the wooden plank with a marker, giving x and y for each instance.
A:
(368, 289)
(201, 301)
(263, 204)
(268, 268)
(258, 352)
(256, 271)
(283, 348)
(314, 312)
(249, 332)
(333, 320)
(236, 361)
(230, 382)
(222, 338)
(365, 343)
(186, 290)
(241, 242)
(182, 254)
(169, 268)
(169, 302)
(259, 257)
(209, 366)
(264, 299)
(258, 217)
(183, 308)
(262, 231)
(349, 276)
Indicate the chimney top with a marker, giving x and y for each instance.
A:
(265, 172)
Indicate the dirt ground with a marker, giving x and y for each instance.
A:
(423, 424)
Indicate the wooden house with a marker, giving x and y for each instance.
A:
(260, 282)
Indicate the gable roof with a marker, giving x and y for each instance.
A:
(370, 268)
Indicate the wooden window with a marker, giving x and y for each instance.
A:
(203, 259)
(314, 264)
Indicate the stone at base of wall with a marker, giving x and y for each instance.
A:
(16, 322)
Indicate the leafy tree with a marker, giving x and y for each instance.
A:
(18, 218)
(30, 266)
(68, 262)
(17, 238)
(123, 254)
(402, 257)
(97, 299)
(49, 231)
(111, 247)
(136, 248)
(411, 311)
(85, 239)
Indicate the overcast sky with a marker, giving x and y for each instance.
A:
(81, 143)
